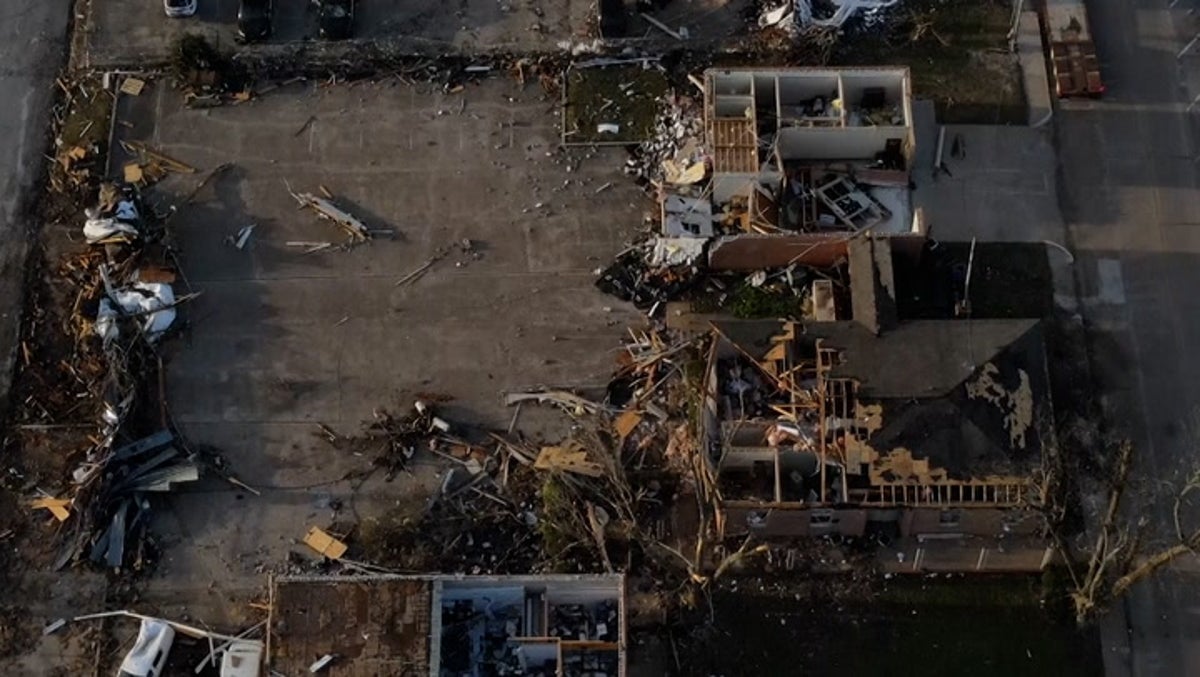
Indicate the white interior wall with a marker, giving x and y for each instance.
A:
(855, 83)
(765, 98)
(726, 186)
(538, 653)
(746, 433)
(806, 462)
(732, 83)
(487, 597)
(733, 106)
(799, 87)
(581, 594)
(849, 143)
(746, 457)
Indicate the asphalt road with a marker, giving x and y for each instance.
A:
(33, 35)
(1128, 182)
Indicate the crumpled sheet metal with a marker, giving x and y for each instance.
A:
(846, 9)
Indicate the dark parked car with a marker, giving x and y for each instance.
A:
(254, 19)
(336, 19)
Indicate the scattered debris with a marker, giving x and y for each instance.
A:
(54, 627)
(326, 209)
(57, 507)
(611, 102)
(324, 544)
(132, 86)
(570, 457)
(680, 34)
(322, 663)
(151, 165)
(675, 145)
(243, 236)
(117, 218)
(311, 119)
(149, 653)
(570, 402)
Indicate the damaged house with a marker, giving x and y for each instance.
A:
(802, 156)
(449, 626)
(924, 434)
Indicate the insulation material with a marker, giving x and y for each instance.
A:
(676, 251)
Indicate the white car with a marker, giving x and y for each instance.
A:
(149, 652)
(179, 8)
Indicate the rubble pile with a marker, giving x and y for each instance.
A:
(77, 166)
(677, 143)
(392, 441)
(633, 279)
(204, 75)
(831, 13)
(597, 500)
(124, 305)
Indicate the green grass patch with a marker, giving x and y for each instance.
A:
(959, 57)
(627, 96)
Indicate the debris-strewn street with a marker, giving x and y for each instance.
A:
(558, 338)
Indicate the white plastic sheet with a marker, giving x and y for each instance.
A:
(152, 303)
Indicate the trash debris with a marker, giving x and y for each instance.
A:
(243, 236)
(570, 457)
(844, 10)
(568, 401)
(612, 102)
(241, 659)
(118, 224)
(310, 247)
(149, 654)
(132, 86)
(57, 507)
(677, 251)
(675, 144)
(633, 278)
(152, 302)
(54, 627)
(322, 663)
(324, 544)
(687, 217)
(776, 17)
(151, 165)
(680, 34)
(357, 230)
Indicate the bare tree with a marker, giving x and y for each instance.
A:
(1116, 561)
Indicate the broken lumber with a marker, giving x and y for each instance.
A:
(570, 457)
(324, 544)
(57, 506)
(325, 209)
(168, 162)
(569, 401)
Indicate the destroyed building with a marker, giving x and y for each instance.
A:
(563, 625)
(799, 158)
(863, 422)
